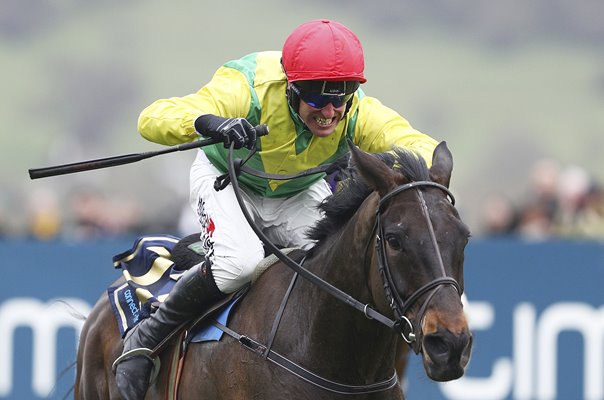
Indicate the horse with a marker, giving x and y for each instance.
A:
(390, 246)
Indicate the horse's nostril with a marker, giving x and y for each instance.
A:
(446, 354)
(444, 346)
(436, 346)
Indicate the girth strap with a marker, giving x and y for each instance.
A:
(280, 312)
(303, 373)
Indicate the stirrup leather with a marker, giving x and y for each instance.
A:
(144, 352)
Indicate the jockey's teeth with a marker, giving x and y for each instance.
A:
(323, 121)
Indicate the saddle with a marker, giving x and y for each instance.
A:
(150, 269)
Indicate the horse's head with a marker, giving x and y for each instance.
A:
(417, 257)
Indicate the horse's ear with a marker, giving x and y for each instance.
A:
(442, 164)
(374, 171)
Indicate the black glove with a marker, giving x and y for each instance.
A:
(229, 130)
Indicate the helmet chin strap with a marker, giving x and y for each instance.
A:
(297, 118)
(348, 105)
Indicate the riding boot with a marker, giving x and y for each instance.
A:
(194, 291)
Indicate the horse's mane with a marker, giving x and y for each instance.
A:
(352, 191)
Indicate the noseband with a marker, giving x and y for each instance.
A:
(410, 331)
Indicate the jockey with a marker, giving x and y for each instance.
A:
(309, 96)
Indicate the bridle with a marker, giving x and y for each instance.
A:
(410, 331)
(401, 324)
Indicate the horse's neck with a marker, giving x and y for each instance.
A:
(336, 334)
(343, 259)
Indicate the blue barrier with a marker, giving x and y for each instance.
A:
(536, 311)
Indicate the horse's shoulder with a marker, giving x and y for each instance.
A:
(261, 303)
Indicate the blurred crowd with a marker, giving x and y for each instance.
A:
(560, 202)
(86, 214)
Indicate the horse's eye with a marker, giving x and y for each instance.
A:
(393, 242)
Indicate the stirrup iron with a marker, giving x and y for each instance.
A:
(144, 352)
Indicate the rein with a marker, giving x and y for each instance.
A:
(398, 306)
(239, 166)
(316, 280)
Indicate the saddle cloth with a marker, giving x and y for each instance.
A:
(149, 274)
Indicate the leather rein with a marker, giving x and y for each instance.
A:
(401, 324)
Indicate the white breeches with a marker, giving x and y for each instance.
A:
(230, 243)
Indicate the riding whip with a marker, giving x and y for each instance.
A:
(35, 173)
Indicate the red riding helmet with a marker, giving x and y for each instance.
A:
(323, 50)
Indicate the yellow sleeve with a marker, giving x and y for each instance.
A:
(379, 128)
(171, 121)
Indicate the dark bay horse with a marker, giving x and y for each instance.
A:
(390, 239)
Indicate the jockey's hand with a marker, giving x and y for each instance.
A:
(228, 130)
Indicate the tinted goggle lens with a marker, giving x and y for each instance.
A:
(318, 100)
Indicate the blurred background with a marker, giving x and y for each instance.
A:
(515, 88)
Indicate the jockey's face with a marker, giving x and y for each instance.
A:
(321, 121)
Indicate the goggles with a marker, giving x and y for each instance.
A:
(323, 96)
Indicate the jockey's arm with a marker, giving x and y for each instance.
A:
(172, 121)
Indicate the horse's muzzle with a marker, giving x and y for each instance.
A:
(446, 354)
